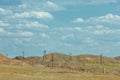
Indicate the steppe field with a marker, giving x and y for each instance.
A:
(15, 72)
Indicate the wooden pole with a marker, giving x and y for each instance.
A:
(44, 54)
(102, 63)
(70, 56)
(84, 63)
(52, 60)
(23, 54)
(101, 59)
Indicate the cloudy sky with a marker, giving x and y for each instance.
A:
(66, 26)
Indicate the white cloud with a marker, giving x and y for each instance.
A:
(43, 15)
(108, 18)
(97, 30)
(5, 11)
(22, 15)
(46, 5)
(35, 24)
(26, 34)
(2, 30)
(40, 45)
(52, 6)
(78, 28)
(34, 14)
(78, 20)
(18, 41)
(69, 29)
(3, 23)
(68, 36)
(44, 35)
(2, 10)
(23, 6)
(89, 40)
(107, 31)
(101, 30)
(66, 44)
(16, 34)
(97, 27)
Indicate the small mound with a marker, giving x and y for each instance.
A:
(4, 58)
(117, 58)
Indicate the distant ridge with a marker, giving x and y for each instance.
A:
(57, 57)
(3, 58)
(60, 57)
(117, 58)
(84, 62)
(6, 60)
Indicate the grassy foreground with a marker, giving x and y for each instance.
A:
(14, 72)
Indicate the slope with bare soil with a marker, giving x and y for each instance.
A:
(4, 59)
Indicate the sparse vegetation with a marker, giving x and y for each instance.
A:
(13, 72)
(59, 67)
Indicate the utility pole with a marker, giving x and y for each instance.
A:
(52, 60)
(101, 59)
(102, 63)
(84, 63)
(44, 54)
(70, 57)
(23, 54)
(7, 55)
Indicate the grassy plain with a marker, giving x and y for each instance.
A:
(15, 72)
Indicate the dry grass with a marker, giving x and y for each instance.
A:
(10, 72)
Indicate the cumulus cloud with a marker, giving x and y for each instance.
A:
(69, 29)
(2, 30)
(26, 34)
(99, 30)
(3, 23)
(34, 14)
(40, 45)
(49, 5)
(68, 36)
(90, 41)
(25, 5)
(96, 27)
(2, 10)
(41, 6)
(44, 35)
(108, 18)
(13, 35)
(32, 25)
(78, 20)
(5, 11)
(35, 24)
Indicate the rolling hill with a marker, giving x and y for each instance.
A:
(86, 62)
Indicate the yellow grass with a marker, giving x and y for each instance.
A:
(10, 72)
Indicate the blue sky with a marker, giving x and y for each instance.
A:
(66, 26)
